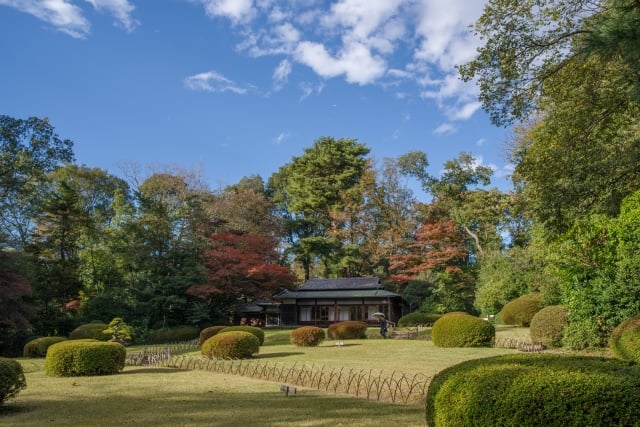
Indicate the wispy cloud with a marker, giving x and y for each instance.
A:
(212, 81)
(281, 74)
(283, 136)
(63, 15)
(122, 10)
(309, 89)
(445, 129)
(365, 42)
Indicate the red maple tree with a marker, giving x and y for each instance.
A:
(241, 267)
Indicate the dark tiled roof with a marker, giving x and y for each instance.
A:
(349, 283)
(339, 294)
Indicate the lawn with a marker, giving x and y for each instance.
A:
(164, 396)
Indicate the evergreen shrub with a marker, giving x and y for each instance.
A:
(231, 345)
(417, 318)
(521, 310)
(11, 379)
(259, 333)
(173, 334)
(207, 333)
(307, 336)
(38, 347)
(462, 330)
(347, 330)
(535, 390)
(84, 357)
(547, 326)
(94, 331)
(625, 340)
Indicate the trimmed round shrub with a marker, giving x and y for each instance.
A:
(173, 334)
(84, 357)
(231, 345)
(521, 310)
(347, 330)
(207, 333)
(548, 324)
(259, 333)
(416, 318)
(11, 379)
(307, 336)
(625, 340)
(38, 347)
(94, 331)
(462, 330)
(535, 390)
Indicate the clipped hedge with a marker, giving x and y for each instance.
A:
(231, 345)
(307, 336)
(535, 390)
(259, 333)
(84, 357)
(347, 330)
(173, 334)
(94, 331)
(521, 310)
(462, 330)
(207, 333)
(38, 347)
(416, 318)
(547, 326)
(625, 340)
(11, 379)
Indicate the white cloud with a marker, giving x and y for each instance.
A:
(238, 11)
(212, 81)
(63, 15)
(281, 74)
(281, 138)
(309, 89)
(120, 9)
(445, 129)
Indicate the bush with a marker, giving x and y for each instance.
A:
(207, 333)
(11, 379)
(416, 318)
(347, 330)
(173, 334)
(94, 331)
(625, 340)
(535, 390)
(307, 336)
(231, 345)
(521, 310)
(84, 357)
(462, 330)
(38, 347)
(119, 331)
(259, 333)
(547, 326)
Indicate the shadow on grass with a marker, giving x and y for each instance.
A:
(145, 370)
(281, 354)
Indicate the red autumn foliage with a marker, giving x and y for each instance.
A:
(242, 267)
(437, 245)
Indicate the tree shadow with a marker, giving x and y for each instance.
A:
(281, 354)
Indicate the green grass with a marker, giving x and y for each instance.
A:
(163, 396)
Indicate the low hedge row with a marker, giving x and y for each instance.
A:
(38, 347)
(462, 330)
(416, 318)
(84, 357)
(307, 336)
(11, 379)
(173, 334)
(259, 333)
(535, 390)
(207, 333)
(231, 345)
(93, 331)
(347, 330)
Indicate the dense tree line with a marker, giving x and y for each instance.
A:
(80, 244)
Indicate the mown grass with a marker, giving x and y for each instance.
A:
(164, 396)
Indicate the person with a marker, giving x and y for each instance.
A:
(383, 327)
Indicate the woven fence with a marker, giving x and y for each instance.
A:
(372, 385)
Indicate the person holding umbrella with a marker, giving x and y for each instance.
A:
(383, 324)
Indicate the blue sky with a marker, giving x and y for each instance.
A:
(234, 88)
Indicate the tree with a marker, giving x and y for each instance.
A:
(241, 268)
(29, 149)
(15, 309)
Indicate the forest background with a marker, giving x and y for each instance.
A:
(81, 244)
